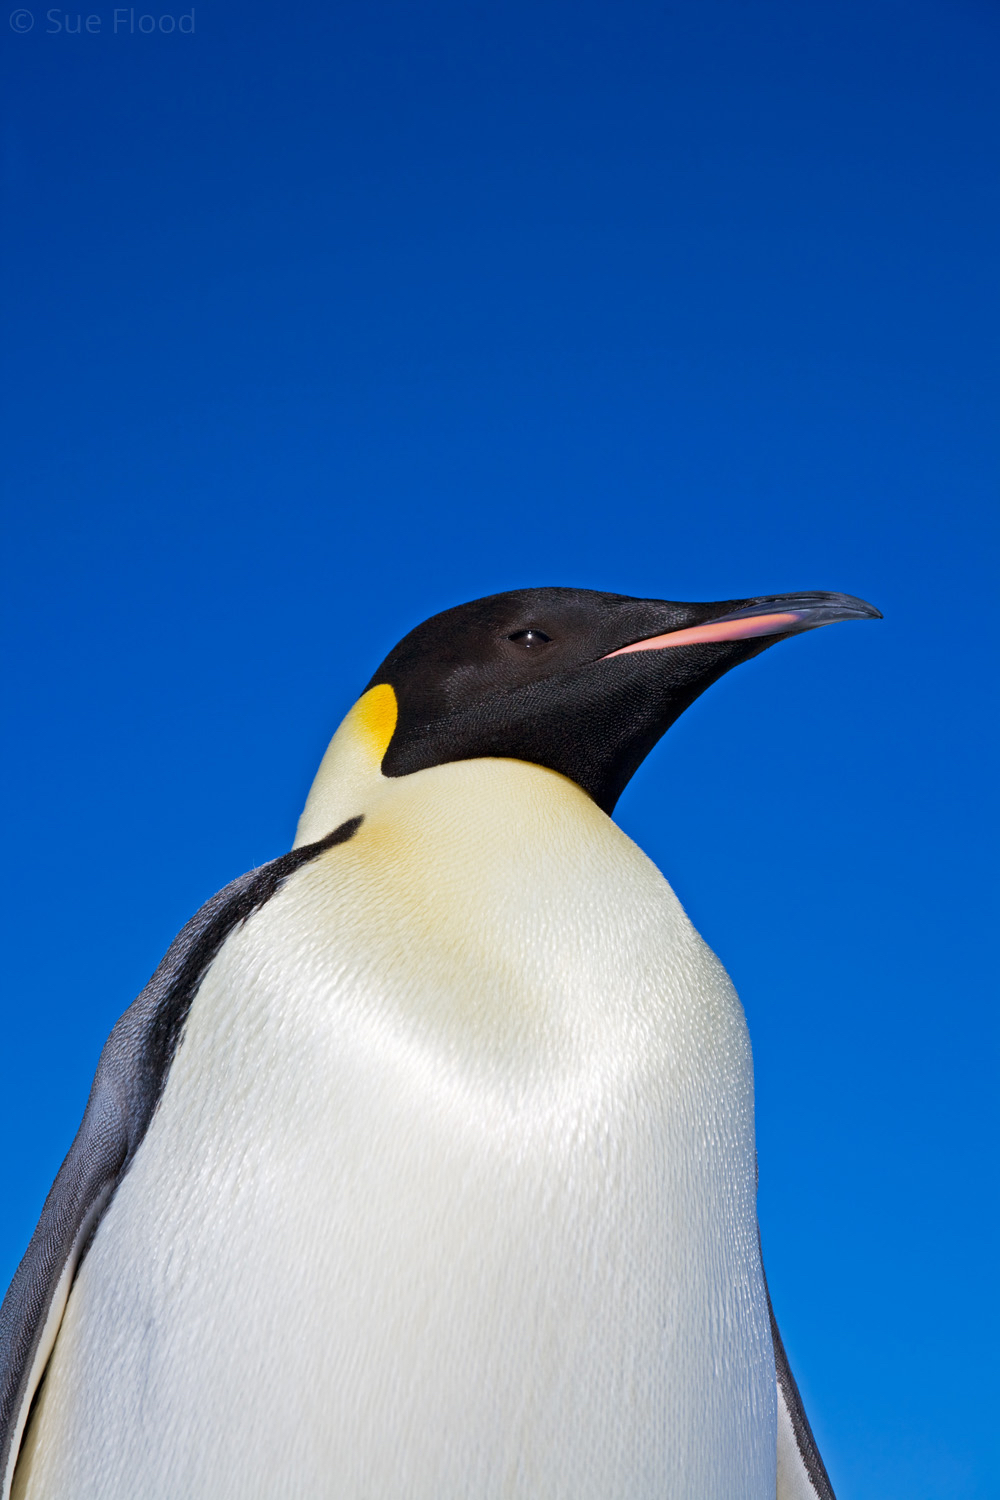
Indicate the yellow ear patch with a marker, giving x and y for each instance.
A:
(374, 719)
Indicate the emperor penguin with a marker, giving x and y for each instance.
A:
(423, 1168)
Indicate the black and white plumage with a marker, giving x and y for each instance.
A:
(126, 1090)
(424, 1165)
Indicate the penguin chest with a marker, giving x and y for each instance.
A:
(450, 1191)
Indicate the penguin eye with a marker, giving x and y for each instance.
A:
(529, 638)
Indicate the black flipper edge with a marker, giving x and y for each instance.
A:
(788, 1393)
(130, 1077)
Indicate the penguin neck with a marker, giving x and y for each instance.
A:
(350, 782)
(350, 778)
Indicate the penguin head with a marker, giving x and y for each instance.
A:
(580, 682)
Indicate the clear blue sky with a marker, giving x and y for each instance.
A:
(320, 321)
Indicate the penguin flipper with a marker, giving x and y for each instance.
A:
(130, 1077)
(801, 1472)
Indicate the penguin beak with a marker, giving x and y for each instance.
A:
(781, 614)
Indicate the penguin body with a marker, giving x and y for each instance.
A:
(486, 1174)
(425, 1165)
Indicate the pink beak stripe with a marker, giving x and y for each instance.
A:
(715, 630)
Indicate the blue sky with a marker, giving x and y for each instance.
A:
(318, 322)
